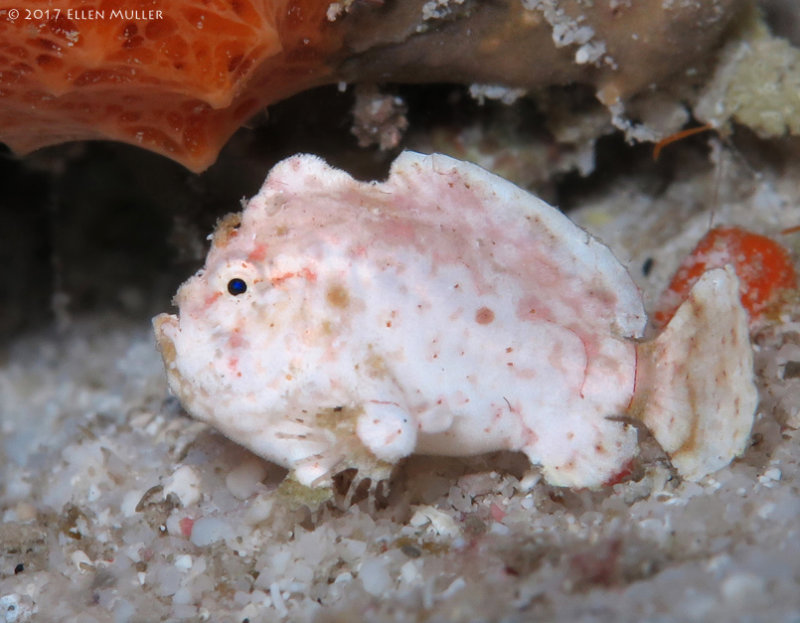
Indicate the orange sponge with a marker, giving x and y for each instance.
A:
(175, 76)
(765, 270)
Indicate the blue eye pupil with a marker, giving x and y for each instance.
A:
(237, 286)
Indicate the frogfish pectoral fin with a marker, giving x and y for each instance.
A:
(695, 389)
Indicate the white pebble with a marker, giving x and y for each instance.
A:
(260, 509)
(130, 501)
(184, 562)
(249, 612)
(529, 481)
(124, 611)
(199, 566)
(354, 548)
(409, 572)
(435, 520)
(241, 597)
(280, 559)
(167, 580)
(277, 599)
(184, 483)
(9, 608)
(208, 530)
(154, 426)
(772, 474)
(742, 588)
(182, 596)
(92, 493)
(174, 523)
(455, 586)
(765, 510)
(16, 607)
(375, 577)
(81, 560)
(244, 479)
(499, 529)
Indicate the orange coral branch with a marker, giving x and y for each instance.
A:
(677, 137)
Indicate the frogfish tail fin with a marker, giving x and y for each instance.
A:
(694, 388)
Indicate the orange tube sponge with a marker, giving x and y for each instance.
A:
(148, 73)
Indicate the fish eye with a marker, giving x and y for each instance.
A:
(237, 286)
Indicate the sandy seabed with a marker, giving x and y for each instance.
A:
(118, 507)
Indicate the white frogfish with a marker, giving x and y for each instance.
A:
(341, 324)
